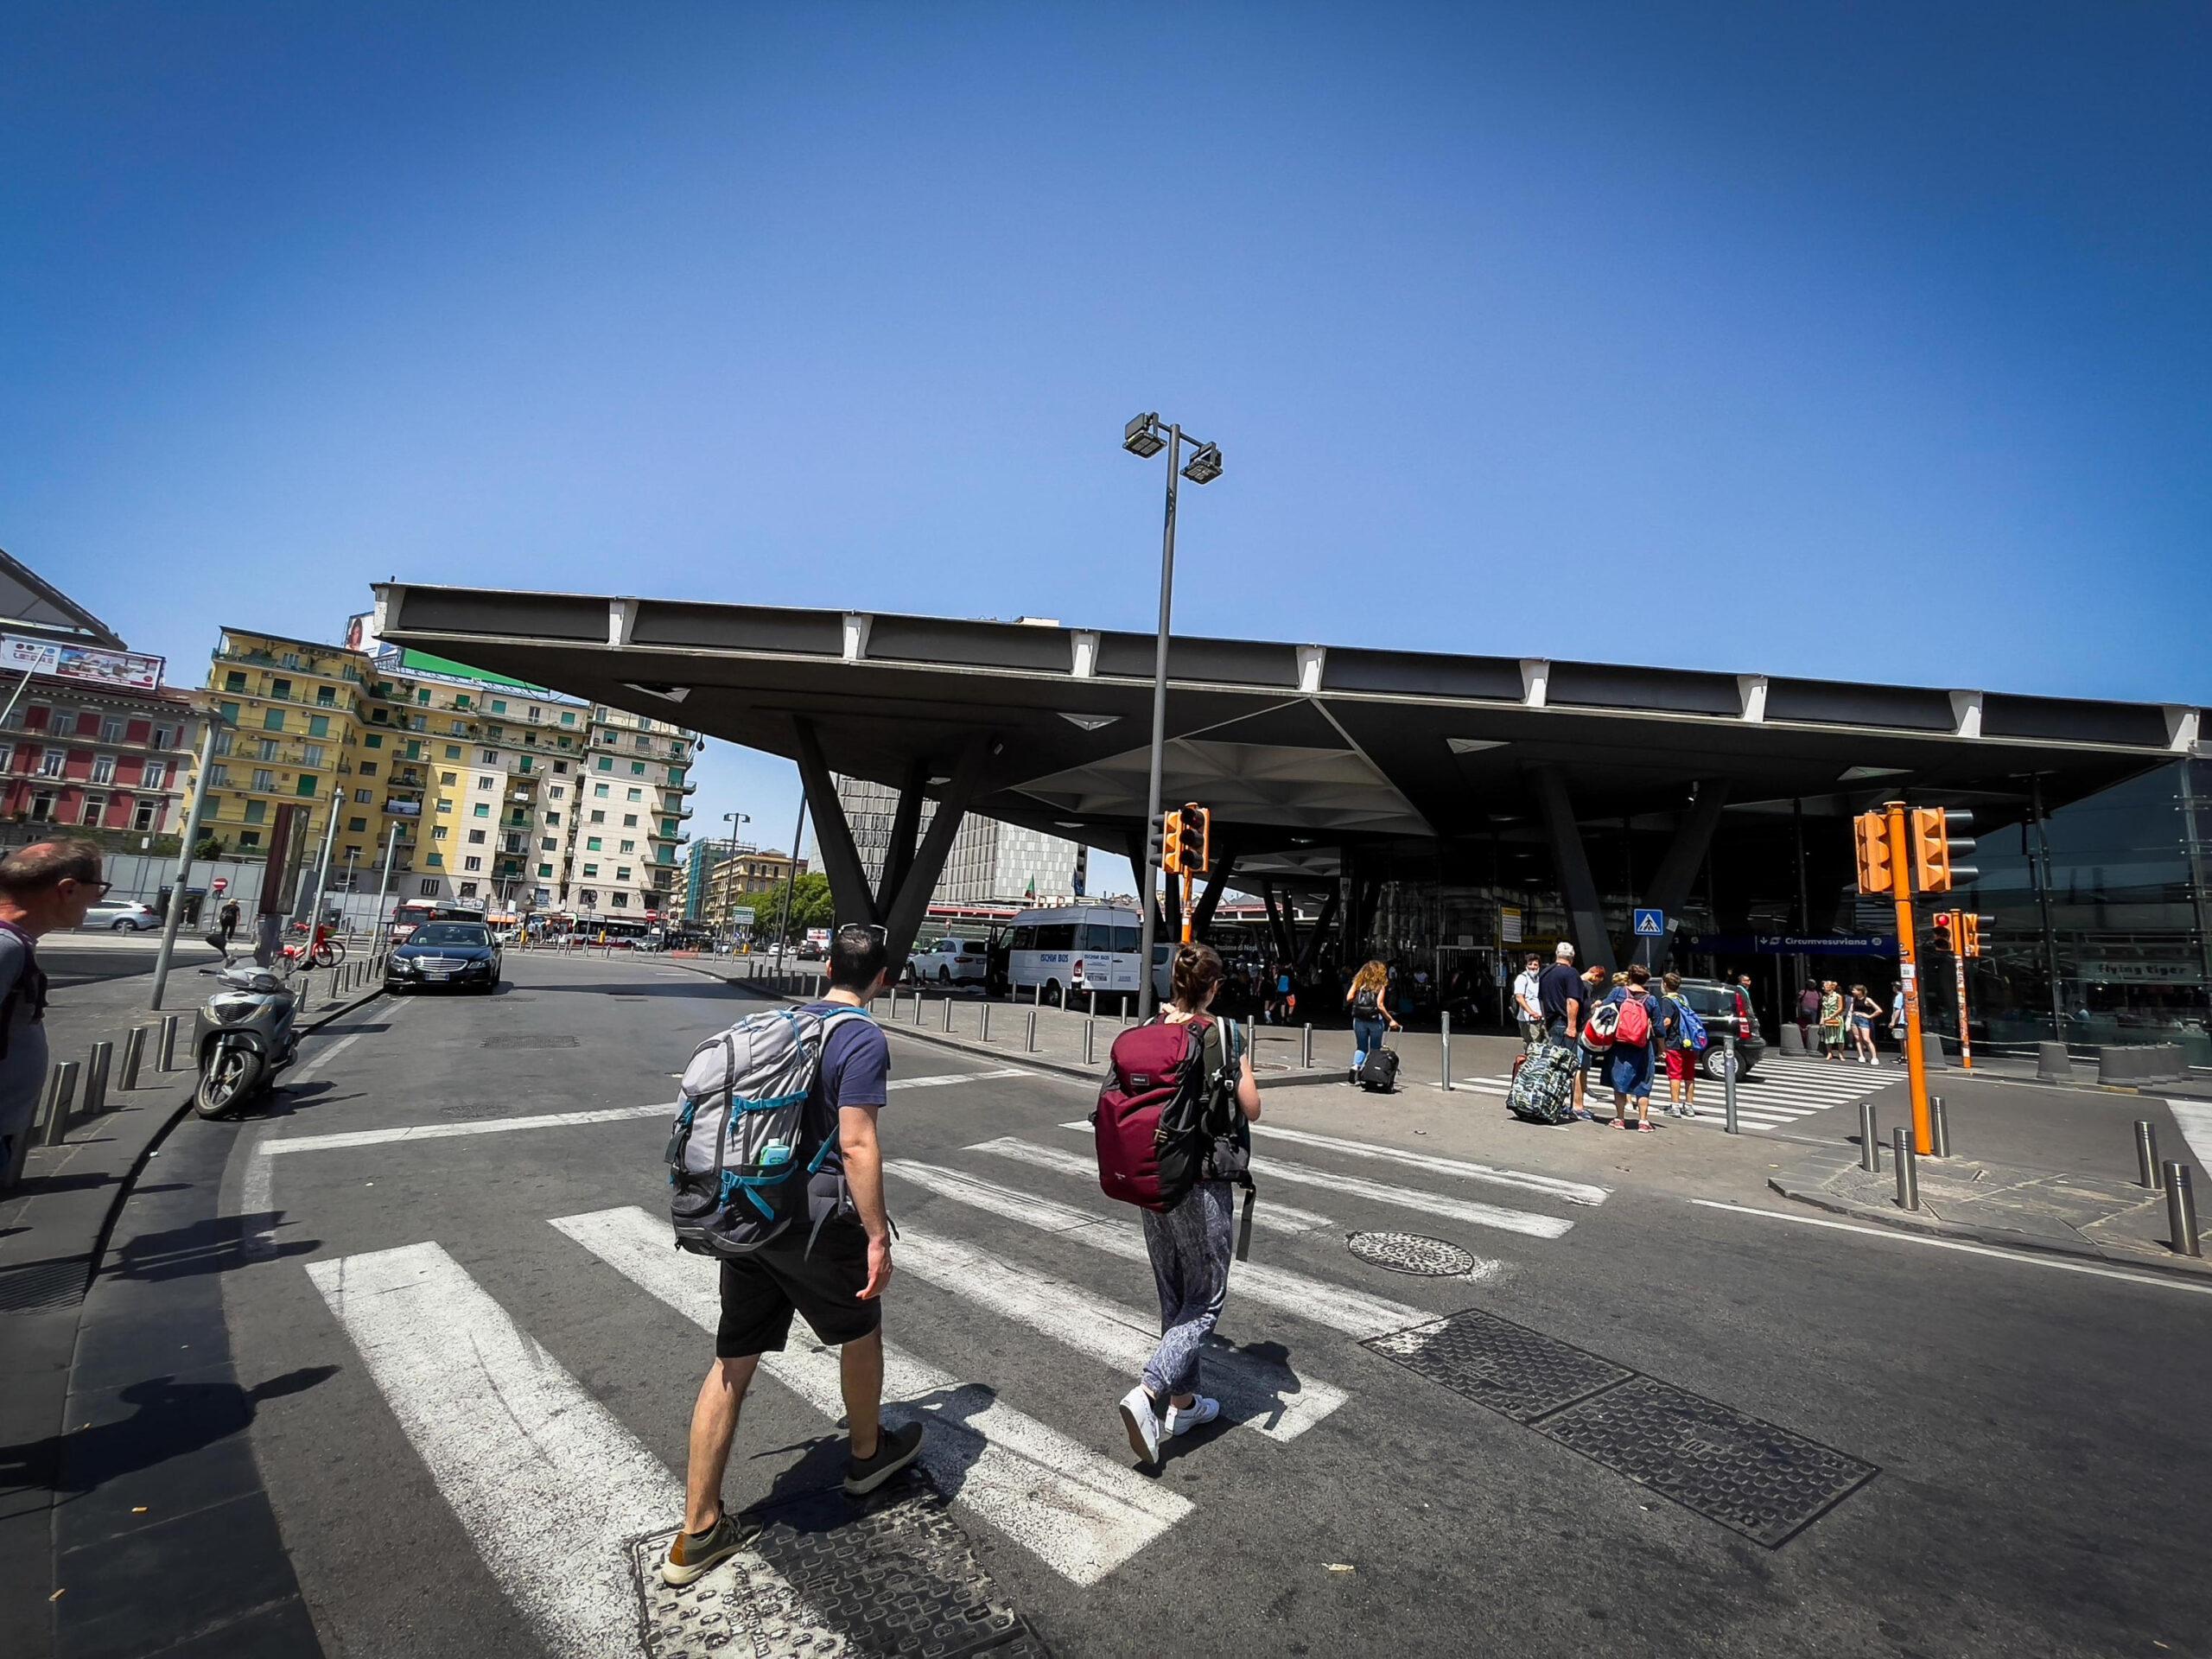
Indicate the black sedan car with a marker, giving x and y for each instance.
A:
(462, 954)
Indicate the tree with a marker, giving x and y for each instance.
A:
(811, 906)
(210, 847)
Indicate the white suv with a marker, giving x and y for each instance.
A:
(951, 962)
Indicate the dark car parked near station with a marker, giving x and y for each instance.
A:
(1720, 1005)
(462, 954)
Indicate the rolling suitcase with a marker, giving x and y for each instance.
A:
(1379, 1075)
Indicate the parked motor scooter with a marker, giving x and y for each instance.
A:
(242, 1036)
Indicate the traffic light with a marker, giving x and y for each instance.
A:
(1936, 844)
(1944, 937)
(1171, 843)
(1877, 873)
(1970, 933)
(1198, 838)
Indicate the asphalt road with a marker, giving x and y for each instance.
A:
(498, 1408)
(81, 959)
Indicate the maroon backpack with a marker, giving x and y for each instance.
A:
(1156, 1123)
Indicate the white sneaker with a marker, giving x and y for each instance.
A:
(1143, 1423)
(1181, 1419)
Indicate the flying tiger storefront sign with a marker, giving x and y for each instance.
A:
(119, 671)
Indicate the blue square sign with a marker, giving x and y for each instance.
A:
(1650, 923)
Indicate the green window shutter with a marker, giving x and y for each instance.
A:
(272, 720)
(318, 725)
(306, 784)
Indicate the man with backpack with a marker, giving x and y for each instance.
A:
(1681, 1035)
(816, 1239)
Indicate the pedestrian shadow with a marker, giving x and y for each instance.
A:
(168, 1419)
(950, 1446)
(215, 1244)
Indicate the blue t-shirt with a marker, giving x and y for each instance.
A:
(855, 1072)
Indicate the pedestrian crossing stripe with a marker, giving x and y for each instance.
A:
(1355, 1313)
(1780, 1093)
(1078, 1512)
(1269, 1217)
(548, 1485)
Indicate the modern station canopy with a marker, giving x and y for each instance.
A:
(1295, 744)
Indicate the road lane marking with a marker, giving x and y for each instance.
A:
(2194, 1119)
(1353, 1312)
(1079, 1513)
(1464, 1210)
(1272, 1217)
(344, 1139)
(1261, 1393)
(1581, 1192)
(547, 1484)
(2018, 1257)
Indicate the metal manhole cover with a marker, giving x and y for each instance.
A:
(1729, 1466)
(37, 1286)
(1433, 1258)
(528, 1040)
(1519, 1373)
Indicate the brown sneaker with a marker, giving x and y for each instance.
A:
(693, 1553)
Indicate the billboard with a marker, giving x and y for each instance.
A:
(119, 671)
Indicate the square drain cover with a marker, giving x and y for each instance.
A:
(1750, 1476)
(891, 1575)
(1512, 1369)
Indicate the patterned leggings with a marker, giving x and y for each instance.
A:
(1190, 1246)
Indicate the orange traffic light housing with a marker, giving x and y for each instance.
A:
(1936, 846)
(1877, 868)
(1945, 939)
(1171, 843)
(1970, 933)
(1198, 838)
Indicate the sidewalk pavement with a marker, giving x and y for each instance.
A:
(55, 1227)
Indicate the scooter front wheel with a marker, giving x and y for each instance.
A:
(228, 1081)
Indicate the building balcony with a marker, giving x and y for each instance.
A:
(276, 665)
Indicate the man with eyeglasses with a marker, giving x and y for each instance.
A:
(45, 886)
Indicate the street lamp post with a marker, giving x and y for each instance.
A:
(1142, 439)
(733, 819)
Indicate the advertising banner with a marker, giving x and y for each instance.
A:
(119, 670)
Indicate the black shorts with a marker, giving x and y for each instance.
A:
(760, 1291)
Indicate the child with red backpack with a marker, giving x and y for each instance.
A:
(1173, 1137)
(1632, 1052)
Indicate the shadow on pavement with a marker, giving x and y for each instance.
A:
(214, 1245)
(169, 1419)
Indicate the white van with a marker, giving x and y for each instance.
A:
(1073, 949)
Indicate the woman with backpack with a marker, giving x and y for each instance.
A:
(1191, 1244)
(1369, 999)
(1637, 1042)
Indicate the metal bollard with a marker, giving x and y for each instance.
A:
(984, 1034)
(97, 1066)
(2146, 1153)
(948, 1014)
(1728, 1080)
(1445, 1028)
(61, 1095)
(1939, 1127)
(1305, 1049)
(1090, 1040)
(1869, 1144)
(2181, 1212)
(1030, 1042)
(1908, 1168)
(1038, 1001)
(170, 1026)
(134, 1056)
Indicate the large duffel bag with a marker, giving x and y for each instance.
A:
(1543, 1085)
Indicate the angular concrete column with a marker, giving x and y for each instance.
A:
(1586, 916)
(905, 825)
(1669, 889)
(833, 834)
(902, 918)
(1216, 883)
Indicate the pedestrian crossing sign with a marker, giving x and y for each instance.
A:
(1650, 923)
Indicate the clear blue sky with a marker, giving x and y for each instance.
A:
(1682, 335)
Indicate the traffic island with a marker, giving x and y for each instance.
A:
(2004, 1205)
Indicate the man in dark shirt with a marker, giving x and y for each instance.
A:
(44, 888)
(1559, 993)
(835, 1277)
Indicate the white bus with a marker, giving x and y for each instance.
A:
(1070, 949)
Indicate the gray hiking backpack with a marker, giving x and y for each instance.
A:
(744, 1151)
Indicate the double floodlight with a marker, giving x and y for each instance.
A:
(1141, 437)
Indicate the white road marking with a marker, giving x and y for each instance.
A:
(1338, 1306)
(1078, 1513)
(2018, 1258)
(1430, 1203)
(257, 1199)
(1261, 1393)
(339, 1140)
(546, 1483)
(1573, 1191)
(956, 1077)
(393, 1012)
(2194, 1119)
(1268, 1215)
